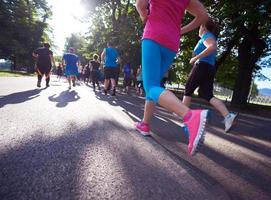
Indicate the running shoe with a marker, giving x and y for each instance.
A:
(229, 121)
(143, 128)
(195, 126)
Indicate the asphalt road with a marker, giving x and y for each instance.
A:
(57, 143)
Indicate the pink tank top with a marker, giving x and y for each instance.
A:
(164, 22)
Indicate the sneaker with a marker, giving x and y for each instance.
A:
(70, 87)
(143, 128)
(47, 85)
(229, 121)
(195, 127)
(105, 92)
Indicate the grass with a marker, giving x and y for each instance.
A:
(14, 74)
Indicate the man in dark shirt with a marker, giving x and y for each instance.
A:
(44, 60)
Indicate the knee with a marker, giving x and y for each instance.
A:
(206, 96)
(154, 93)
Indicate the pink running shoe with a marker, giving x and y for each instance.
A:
(143, 128)
(195, 127)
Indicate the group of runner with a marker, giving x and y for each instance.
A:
(160, 43)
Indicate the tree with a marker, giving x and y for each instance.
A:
(116, 21)
(245, 30)
(79, 43)
(245, 27)
(23, 26)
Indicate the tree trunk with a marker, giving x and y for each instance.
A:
(243, 80)
(250, 50)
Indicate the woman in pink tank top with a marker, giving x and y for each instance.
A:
(160, 44)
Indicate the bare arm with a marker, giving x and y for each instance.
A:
(141, 7)
(90, 65)
(119, 60)
(103, 55)
(34, 55)
(63, 62)
(52, 60)
(211, 47)
(200, 13)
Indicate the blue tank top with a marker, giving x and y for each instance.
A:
(111, 56)
(200, 47)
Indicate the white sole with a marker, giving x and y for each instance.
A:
(201, 131)
(232, 124)
(143, 132)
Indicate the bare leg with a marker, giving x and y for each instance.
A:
(148, 111)
(220, 106)
(69, 81)
(186, 100)
(106, 83)
(169, 101)
(73, 80)
(113, 82)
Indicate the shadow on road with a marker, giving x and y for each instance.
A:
(64, 98)
(19, 97)
(251, 138)
(97, 162)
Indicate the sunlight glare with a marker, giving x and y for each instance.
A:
(69, 16)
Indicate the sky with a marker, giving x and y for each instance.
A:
(264, 84)
(66, 19)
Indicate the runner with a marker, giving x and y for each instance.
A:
(71, 61)
(203, 72)
(44, 60)
(159, 46)
(140, 90)
(94, 67)
(110, 57)
(127, 77)
(59, 71)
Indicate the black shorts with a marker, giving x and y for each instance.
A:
(41, 70)
(202, 75)
(110, 72)
(127, 82)
(95, 76)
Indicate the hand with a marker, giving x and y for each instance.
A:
(193, 60)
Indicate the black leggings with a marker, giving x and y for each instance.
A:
(202, 75)
(95, 78)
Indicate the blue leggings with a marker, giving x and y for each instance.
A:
(156, 61)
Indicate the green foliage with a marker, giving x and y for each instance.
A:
(23, 25)
(227, 71)
(117, 22)
(254, 90)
